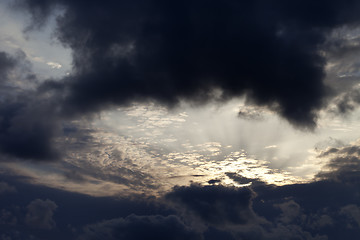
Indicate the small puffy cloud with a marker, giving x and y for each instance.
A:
(54, 65)
(8, 218)
(321, 221)
(271, 146)
(353, 212)
(252, 113)
(40, 214)
(5, 187)
(290, 211)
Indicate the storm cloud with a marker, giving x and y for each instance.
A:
(198, 52)
(185, 50)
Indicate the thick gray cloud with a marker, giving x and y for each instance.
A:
(184, 50)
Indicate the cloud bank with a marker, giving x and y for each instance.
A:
(325, 209)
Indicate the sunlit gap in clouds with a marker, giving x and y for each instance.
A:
(207, 145)
(148, 149)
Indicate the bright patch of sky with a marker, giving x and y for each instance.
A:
(47, 56)
(148, 149)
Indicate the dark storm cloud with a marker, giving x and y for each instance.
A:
(167, 51)
(126, 51)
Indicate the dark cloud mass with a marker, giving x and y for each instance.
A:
(169, 51)
(198, 51)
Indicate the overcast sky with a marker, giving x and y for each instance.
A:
(179, 119)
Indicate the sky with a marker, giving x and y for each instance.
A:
(234, 120)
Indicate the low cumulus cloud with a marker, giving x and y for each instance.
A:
(141, 227)
(215, 205)
(220, 212)
(326, 209)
